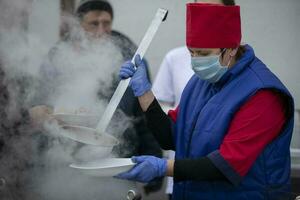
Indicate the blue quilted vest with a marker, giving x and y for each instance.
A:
(205, 113)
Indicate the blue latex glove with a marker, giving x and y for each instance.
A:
(146, 169)
(139, 82)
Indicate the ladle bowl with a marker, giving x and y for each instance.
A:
(88, 136)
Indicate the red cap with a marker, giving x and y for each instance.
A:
(213, 26)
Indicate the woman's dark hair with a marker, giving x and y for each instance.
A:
(240, 52)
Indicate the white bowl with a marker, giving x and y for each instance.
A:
(107, 167)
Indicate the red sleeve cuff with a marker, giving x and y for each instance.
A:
(173, 114)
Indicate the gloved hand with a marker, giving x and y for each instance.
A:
(146, 169)
(139, 82)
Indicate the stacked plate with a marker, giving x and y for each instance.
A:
(105, 167)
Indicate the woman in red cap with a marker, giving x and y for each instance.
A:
(233, 126)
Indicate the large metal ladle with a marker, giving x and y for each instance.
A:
(98, 136)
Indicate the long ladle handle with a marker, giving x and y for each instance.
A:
(160, 16)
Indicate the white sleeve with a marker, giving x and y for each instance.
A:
(162, 87)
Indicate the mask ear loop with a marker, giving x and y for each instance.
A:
(231, 58)
(222, 58)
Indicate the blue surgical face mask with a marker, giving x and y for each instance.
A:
(209, 68)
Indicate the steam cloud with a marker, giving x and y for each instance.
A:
(34, 165)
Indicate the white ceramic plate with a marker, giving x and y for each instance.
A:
(77, 119)
(105, 168)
